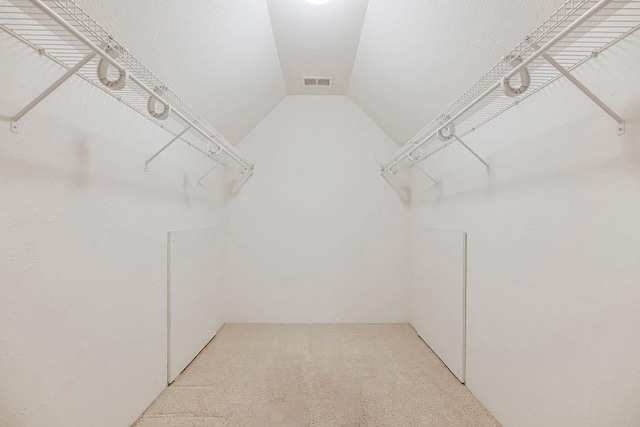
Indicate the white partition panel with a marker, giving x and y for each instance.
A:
(438, 294)
(193, 294)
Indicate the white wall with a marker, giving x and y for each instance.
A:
(196, 270)
(83, 244)
(437, 294)
(316, 235)
(553, 287)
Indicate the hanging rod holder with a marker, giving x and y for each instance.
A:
(577, 83)
(48, 91)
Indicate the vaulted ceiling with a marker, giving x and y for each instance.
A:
(317, 40)
(402, 62)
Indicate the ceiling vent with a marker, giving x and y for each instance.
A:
(317, 81)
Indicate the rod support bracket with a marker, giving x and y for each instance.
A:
(476, 155)
(13, 126)
(567, 73)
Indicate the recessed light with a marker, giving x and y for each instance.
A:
(318, 1)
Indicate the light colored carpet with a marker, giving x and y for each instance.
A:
(316, 375)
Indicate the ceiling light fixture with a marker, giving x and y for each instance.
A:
(317, 2)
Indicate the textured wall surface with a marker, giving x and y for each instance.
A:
(553, 285)
(83, 249)
(316, 235)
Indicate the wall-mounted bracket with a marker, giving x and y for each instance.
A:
(157, 153)
(476, 155)
(249, 173)
(621, 124)
(424, 172)
(70, 72)
(218, 163)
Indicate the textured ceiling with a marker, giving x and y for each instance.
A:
(417, 56)
(317, 40)
(219, 56)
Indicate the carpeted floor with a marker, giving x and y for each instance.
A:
(316, 375)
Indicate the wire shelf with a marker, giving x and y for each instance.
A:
(30, 24)
(480, 104)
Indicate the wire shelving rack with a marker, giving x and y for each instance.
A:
(575, 33)
(66, 34)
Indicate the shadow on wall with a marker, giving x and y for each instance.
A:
(185, 188)
(81, 176)
(236, 183)
(629, 155)
(400, 182)
(14, 166)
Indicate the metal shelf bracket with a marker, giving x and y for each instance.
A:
(476, 155)
(577, 83)
(70, 72)
(249, 173)
(218, 163)
(164, 147)
(424, 172)
(383, 173)
(537, 58)
(67, 35)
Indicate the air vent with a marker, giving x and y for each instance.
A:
(317, 81)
